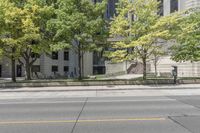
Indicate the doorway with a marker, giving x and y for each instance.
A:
(19, 71)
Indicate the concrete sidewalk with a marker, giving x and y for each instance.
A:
(101, 88)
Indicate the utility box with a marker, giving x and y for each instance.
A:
(175, 73)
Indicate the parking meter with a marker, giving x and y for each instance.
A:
(175, 73)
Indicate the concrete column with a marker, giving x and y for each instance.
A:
(166, 7)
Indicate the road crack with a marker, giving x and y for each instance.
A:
(79, 115)
(181, 101)
(175, 121)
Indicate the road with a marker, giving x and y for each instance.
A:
(144, 114)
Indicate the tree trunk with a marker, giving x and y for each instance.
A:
(144, 68)
(27, 70)
(79, 62)
(13, 69)
(82, 64)
(156, 73)
(155, 65)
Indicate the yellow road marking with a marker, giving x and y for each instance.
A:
(80, 121)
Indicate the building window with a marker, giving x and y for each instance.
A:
(35, 68)
(35, 55)
(66, 55)
(160, 8)
(132, 17)
(55, 55)
(99, 70)
(66, 68)
(173, 6)
(107, 12)
(54, 69)
(95, 1)
(111, 8)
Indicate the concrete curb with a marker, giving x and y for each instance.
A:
(83, 83)
(76, 90)
(95, 83)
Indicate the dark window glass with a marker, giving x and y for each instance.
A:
(173, 6)
(107, 12)
(111, 8)
(19, 71)
(66, 69)
(98, 58)
(99, 70)
(132, 17)
(36, 68)
(160, 8)
(66, 55)
(95, 1)
(55, 55)
(54, 69)
(34, 55)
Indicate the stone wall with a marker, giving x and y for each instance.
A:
(185, 69)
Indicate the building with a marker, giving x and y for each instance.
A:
(58, 64)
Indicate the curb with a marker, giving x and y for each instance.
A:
(84, 83)
(95, 83)
(75, 90)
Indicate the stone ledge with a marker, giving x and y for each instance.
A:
(95, 83)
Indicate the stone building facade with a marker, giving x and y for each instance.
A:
(58, 64)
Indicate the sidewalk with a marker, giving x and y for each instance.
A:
(101, 88)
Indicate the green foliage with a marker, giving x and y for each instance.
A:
(141, 33)
(10, 25)
(80, 25)
(188, 44)
(24, 24)
(140, 27)
(78, 20)
(24, 30)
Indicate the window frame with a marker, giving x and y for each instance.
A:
(54, 55)
(54, 70)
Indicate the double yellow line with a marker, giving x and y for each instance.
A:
(80, 121)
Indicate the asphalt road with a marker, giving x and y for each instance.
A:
(176, 114)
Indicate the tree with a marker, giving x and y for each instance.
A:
(156, 54)
(139, 24)
(35, 38)
(187, 47)
(10, 25)
(79, 25)
(25, 23)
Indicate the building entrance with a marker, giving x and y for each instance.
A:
(19, 71)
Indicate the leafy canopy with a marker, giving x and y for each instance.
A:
(139, 25)
(79, 21)
(188, 38)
